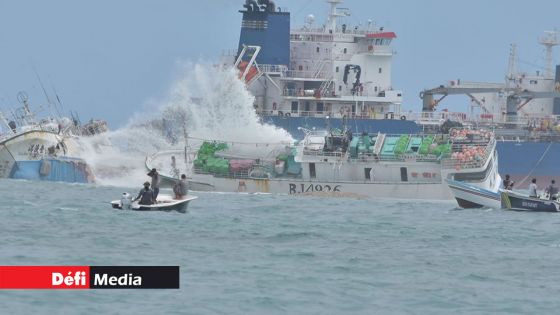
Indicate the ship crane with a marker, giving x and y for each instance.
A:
(429, 104)
(516, 98)
(527, 96)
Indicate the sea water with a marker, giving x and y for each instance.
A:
(275, 254)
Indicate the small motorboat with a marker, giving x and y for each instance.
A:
(515, 201)
(469, 196)
(164, 203)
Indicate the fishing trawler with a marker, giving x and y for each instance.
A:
(40, 150)
(370, 165)
(301, 76)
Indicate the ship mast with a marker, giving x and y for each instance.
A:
(4, 121)
(331, 24)
(549, 41)
(512, 66)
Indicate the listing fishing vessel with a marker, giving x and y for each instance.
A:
(40, 150)
(370, 165)
(326, 73)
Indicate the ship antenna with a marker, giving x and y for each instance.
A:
(58, 101)
(51, 105)
(549, 40)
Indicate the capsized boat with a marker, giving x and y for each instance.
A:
(515, 201)
(164, 203)
(45, 149)
(470, 196)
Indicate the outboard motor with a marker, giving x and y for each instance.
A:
(126, 201)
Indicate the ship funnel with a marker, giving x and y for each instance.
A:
(268, 29)
(271, 6)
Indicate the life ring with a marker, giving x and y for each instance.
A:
(281, 113)
(288, 114)
(403, 117)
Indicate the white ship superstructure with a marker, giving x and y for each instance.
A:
(331, 69)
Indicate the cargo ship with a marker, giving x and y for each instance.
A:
(334, 74)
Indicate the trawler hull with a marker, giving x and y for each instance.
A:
(431, 191)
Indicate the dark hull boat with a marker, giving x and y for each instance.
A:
(518, 202)
(165, 203)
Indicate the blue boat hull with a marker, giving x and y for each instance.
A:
(59, 170)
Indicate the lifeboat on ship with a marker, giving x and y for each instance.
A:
(250, 74)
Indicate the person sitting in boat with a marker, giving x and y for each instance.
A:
(146, 195)
(552, 190)
(533, 188)
(181, 187)
(156, 180)
(507, 183)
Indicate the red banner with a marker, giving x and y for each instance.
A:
(89, 277)
(44, 277)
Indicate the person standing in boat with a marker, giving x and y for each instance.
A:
(181, 189)
(508, 183)
(552, 190)
(533, 188)
(156, 180)
(146, 195)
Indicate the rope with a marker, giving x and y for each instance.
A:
(538, 162)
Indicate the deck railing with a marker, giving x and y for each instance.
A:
(454, 163)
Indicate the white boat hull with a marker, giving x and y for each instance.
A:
(470, 196)
(165, 203)
(433, 191)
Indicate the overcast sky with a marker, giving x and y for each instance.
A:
(110, 58)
